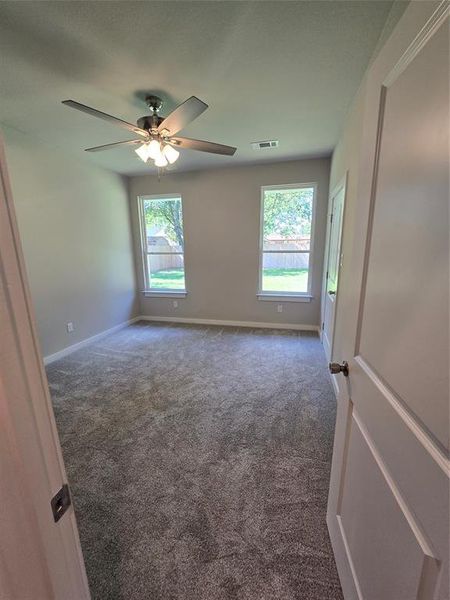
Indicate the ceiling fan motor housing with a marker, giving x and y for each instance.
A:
(154, 102)
(149, 122)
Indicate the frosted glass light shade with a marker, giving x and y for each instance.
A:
(170, 153)
(143, 152)
(161, 161)
(154, 149)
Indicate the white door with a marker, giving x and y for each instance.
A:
(333, 263)
(40, 559)
(388, 513)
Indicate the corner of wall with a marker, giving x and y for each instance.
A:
(77, 241)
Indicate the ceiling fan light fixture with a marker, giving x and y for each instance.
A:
(170, 153)
(154, 149)
(161, 161)
(143, 152)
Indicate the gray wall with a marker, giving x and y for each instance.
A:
(221, 211)
(74, 223)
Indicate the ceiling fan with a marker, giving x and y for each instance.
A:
(158, 140)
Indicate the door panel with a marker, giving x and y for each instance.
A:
(415, 464)
(388, 511)
(407, 274)
(370, 515)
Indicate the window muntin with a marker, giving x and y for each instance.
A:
(162, 243)
(287, 220)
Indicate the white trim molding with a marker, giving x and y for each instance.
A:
(268, 297)
(424, 35)
(340, 186)
(226, 323)
(310, 252)
(145, 254)
(164, 294)
(98, 336)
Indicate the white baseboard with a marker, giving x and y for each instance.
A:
(66, 351)
(258, 325)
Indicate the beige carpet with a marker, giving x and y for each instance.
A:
(199, 462)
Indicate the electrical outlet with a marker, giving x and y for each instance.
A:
(279, 308)
(175, 303)
(70, 327)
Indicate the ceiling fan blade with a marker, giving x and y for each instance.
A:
(182, 115)
(203, 146)
(101, 115)
(113, 145)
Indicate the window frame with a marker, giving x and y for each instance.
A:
(148, 290)
(287, 296)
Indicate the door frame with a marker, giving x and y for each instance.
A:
(341, 185)
(40, 558)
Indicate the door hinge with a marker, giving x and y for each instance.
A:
(331, 218)
(323, 326)
(60, 502)
(326, 275)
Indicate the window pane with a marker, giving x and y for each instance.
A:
(166, 272)
(287, 219)
(163, 224)
(285, 273)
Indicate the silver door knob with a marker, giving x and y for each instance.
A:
(336, 368)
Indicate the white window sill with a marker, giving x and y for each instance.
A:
(267, 297)
(164, 294)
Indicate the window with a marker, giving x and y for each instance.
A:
(162, 243)
(287, 217)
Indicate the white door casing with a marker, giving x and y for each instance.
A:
(39, 559)
(333, 264)
(388, 512)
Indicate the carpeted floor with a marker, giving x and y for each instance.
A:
(199, 462)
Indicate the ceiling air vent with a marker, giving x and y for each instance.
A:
(265, 145)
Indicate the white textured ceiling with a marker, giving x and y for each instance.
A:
(283, 70)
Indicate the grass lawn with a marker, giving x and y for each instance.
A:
(285, 280)
(170, 279)
(274, 280)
